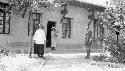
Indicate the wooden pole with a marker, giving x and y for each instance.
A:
(31, 45)
(30, 35)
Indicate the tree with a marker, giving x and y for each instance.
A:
(113, 19)
(20, 7)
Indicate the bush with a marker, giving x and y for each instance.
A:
(8, 52)
(114, 47)
(18, 51)
(99, 58)
(4, 51)
(104, 58)
(25, 51)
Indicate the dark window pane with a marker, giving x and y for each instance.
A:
(6, 29)
(98, 30)
(36, 20)
(1, 28)
(4, 23)
(66, 26)
(1, 22)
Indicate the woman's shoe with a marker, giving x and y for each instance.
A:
(87, 57)
(41, 56)
(53, 48)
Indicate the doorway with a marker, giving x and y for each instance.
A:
(50, 24)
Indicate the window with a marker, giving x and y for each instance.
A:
(66, 28)
(35, 18)
(4, 23)
(36, 21)
(98, 30)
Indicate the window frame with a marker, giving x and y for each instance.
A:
(37, 19)
(98, 30)
(32, 19)
(5, 23)
(66, 28)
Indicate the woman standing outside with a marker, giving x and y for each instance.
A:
(53, 38)
(39, 41)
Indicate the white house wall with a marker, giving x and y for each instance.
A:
(78, 24)
(19, 27)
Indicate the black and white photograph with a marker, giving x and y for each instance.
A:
(62, 35)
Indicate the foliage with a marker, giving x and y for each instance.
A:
(107, 62)
(8, 52)
(115, 48)
(113, 19)
(4, 51)
(113, 15)
(18, 51)
(20, 7)
(99, 58)
(104, 58)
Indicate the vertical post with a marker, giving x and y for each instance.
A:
(97, 30)
(4, 19)
(117, 38)
(31, 44)
(117, 33)
(94, 26)
(29, 24)
(9, 24)
(30, 36)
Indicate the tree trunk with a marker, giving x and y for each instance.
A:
(23, 15)
(31, 45)
(30, 35)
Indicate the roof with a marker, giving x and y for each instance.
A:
(83, 3)
(101, 3)
(4, 1)
(93, 4)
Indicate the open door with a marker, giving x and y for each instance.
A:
(50, 24)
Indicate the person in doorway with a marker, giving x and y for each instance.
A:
(88, 42)
(53, 38)
(39, 41)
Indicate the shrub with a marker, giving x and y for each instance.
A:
(12, 53)
(104, 58)
(116, 48)
(18, 51)
(4, 51)
(25, 51)
(99, 58)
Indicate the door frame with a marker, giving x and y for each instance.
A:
(50, 24)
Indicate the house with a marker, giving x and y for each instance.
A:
(14, 31)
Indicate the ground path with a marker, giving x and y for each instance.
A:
(51, 62)
(67, 62)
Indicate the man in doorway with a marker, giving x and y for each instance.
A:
(39, 41)
(53, 38)
(88, 42)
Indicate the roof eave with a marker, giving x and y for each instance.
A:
(88, 5)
